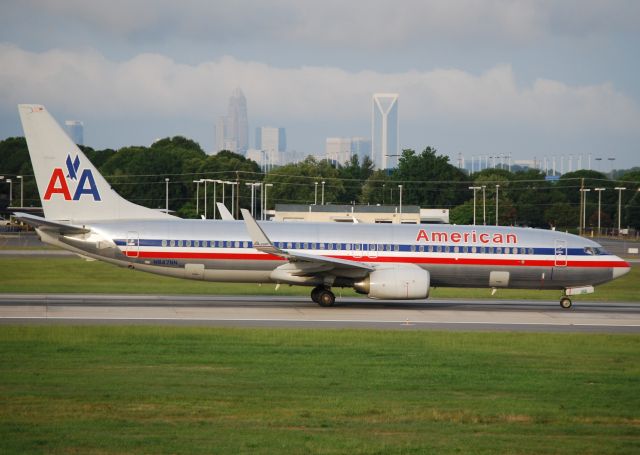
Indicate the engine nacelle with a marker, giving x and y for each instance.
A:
(400, 282)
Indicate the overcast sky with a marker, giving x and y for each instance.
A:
(530, 78)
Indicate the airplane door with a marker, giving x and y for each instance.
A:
(560, 253)
(132, 249)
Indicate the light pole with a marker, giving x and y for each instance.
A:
(233, 196)
(474, 188)
(599, 190)
(620, 189)
(266, 206)
(322, 192)
(611, 160)
(250, 185)
(166, 195)
(384, 186)
(598, 159)
(215, 195)
(253, 194)
(484, 205)
(21, 190)
(197, 182)
(583, 193)
(315, 194)
(400, 187)
(10, 182)
(497, 190)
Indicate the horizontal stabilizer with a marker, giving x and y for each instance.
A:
(43, 223)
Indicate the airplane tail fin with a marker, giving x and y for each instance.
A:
(70, 187)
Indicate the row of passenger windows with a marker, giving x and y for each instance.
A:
(357, 247)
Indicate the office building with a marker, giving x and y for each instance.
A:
(232, 130)
(361, 146)
(339, 150)
(271, 145)
(385, 138)
(75, 130)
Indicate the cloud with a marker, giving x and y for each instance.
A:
(368, 24)
(152, 85)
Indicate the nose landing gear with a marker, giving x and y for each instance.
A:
(565, 302)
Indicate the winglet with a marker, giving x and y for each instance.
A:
(260, 240)
(224, 212)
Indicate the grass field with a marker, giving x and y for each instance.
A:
(200, 390)
(51, 275)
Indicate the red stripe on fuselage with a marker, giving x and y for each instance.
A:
(401, 259)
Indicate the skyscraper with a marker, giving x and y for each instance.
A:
(385, 137)
(75, 130)
(232, 130)
(271, 139)
(271, 143)
(340, 149)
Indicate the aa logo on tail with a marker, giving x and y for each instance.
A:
(61, 184)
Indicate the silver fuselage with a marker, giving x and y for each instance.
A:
(456, 256)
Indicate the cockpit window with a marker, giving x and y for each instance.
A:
(589, 250)
(601, 251)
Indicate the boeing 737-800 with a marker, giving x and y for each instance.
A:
(83, 214)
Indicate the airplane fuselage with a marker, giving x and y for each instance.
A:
(460, 256)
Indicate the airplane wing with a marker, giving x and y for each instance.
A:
(262, 243)
(224, 212)
(43, 223)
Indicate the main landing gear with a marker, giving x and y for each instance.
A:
(323, 296)
(565, 302)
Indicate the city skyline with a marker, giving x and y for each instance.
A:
(521, 77)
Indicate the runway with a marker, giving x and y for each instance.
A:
(299, 312)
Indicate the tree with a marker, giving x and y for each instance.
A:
(562, 215)
(354, 174)
(229, 166)
(295, 183)
(374, 190)
(430, 180)
(631, 180)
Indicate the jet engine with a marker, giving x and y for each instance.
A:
(399, 282)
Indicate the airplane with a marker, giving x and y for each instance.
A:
(83, 214)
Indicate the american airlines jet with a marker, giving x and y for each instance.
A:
(85, 215)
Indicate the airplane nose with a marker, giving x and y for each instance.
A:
(620, 271)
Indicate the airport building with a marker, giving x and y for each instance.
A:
(409, 214)
(385, 136)
(75, 130)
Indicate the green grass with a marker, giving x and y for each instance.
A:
(51, 275)
(204, 390)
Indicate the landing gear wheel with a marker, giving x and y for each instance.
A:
(565, 302)
(315, 292)
(326, 298)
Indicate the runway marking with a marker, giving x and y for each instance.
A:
(364, 321)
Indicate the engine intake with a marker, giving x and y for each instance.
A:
(404, 282)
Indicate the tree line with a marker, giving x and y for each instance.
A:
(426, 179)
